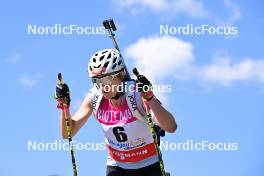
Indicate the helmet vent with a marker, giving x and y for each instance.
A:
(109, 56)
(106, 64)
(90, 68)
(114, 66)
(114, 60)
(97, 66)
(104, 52)
(94, 59)
(101, 58)
(119, 62)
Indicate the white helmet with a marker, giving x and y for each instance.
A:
(105, 62)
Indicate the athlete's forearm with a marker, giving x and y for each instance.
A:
(164, 118)
(63, 125)
(77, 120)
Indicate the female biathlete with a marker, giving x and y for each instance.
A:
(122, 115)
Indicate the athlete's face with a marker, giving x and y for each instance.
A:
(110, 84)
(110, 91)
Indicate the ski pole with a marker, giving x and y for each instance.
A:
(152, 130)
(110, 27)
(68, 128)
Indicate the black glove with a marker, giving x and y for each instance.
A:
(143, 83)
(62, 95)
(159, 132)
(145, 87)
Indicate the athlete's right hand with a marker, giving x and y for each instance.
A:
(62, 94)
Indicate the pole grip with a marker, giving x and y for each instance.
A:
(135, 71)
(106, 24)
(112, 24)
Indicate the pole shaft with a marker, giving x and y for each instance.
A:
(154, 135)
(68, 128)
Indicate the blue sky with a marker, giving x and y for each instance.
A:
(217, 80)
